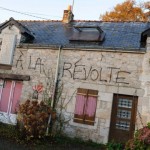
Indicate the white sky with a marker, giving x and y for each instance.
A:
(53, 9)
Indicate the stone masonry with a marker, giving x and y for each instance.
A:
(106, 71)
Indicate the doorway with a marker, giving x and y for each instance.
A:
(123, 117)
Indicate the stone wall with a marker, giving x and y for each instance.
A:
(107, 72)
(144, 101)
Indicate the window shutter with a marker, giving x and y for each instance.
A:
(80, 105)
(5, 96)
(91, 107)
(85, 108)
(16, 96)
(10, 95)
(93, 93)
(82, 91)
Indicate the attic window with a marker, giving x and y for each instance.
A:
(144, 36)
(87, 34)
(143, 41)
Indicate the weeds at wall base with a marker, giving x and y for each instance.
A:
(11, 133)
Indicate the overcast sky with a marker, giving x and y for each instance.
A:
(53, 9)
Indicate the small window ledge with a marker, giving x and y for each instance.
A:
(84, 125)
(5, 67)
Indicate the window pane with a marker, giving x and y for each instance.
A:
(123, 125)
(124, 114)
(125, 103)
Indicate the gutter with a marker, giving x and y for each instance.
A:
(85, 48)
(56, 78)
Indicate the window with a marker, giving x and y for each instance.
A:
(87, 34)
(85, 108)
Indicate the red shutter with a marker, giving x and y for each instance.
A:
(80, 105)
(10, 95)
(85, 108)
(5, 96)
(16, 96)
(90, 110)
(79, 108)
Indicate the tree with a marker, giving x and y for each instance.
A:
(127, 11)
(147, 8)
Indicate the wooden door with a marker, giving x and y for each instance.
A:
(123, 118)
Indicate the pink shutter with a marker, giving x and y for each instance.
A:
(80, 102)
(5, 96)
(16, 96)
(91, 106)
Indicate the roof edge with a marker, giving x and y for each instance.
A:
(22, 28)
(66, 47)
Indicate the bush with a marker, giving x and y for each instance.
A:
(33, 118)
(114, 146)
(141, 139)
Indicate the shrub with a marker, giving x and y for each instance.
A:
(114, 146)
(33, 118)
(141, 139)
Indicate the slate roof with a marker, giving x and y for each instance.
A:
(11, 22)
(119, 35)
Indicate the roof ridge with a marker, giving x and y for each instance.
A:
(39, 20)
(109, 21)
(83, 21)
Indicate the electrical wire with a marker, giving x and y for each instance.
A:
(41, 14)
(30, 14)
(23, 13)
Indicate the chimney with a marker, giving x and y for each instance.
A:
(68, 15)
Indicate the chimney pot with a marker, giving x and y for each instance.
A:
(70, 7)
(68, 15)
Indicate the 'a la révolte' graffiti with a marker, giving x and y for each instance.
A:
(82, 72)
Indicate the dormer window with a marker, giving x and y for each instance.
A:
(87, 34)
(11, 33)
(144, 36)
(143, 41)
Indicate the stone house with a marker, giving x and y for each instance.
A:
(104, 67)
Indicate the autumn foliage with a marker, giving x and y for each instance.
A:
(126, 11)
(33, 118)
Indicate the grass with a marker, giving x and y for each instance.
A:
(12, 134)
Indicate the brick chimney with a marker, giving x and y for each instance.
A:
(68, 15)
